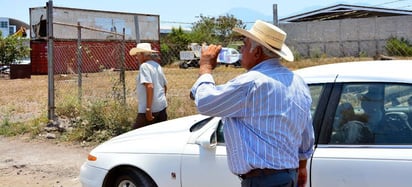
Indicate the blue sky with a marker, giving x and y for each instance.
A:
(184, 12)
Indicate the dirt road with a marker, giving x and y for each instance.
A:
(40, 163)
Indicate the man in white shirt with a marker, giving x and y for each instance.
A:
(150, 85)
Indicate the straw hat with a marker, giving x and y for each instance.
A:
(142, 48)
(270, 37)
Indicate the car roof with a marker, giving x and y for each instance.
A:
(361, 71)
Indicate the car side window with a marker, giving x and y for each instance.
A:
(315, 92)
(374, 113)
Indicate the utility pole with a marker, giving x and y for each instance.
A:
(275, 15)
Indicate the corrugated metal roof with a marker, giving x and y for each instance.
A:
(342, 11)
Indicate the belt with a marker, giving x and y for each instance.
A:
(263, 172)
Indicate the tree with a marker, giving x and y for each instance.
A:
(172, 43)
(215, 30)
(179, 38)
(207, 30)
(13, 48)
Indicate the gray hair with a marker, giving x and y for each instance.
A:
(151, 55)
(266, 51)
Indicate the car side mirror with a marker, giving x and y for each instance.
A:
(208, 139)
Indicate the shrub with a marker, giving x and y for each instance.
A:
(33, 127)
(398, 47)
(101, 120)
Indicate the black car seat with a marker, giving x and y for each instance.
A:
(350, 130)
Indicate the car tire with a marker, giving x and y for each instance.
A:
(195, 63)
(130, 177)
(184, 65)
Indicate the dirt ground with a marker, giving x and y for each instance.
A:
(40, 163)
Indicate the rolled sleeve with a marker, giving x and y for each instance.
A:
(308, 139)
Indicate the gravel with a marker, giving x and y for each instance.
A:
(34, 163)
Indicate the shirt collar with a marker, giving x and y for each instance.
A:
(263, 64)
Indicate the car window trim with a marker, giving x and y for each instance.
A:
(317, 118)
(330, 105)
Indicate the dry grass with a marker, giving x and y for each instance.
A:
(22, 99)
(181, 80)
(25, 99)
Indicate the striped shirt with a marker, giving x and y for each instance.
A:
(266, 112)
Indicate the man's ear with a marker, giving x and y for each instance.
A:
(259, 50)
(258, 53)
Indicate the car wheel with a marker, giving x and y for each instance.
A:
(184, 65)
(131, 178)
(195, 63)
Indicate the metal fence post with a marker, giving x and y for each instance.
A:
(122, 69)
(79, 61)
(50, 66)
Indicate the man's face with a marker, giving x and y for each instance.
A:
(248, 61)
(139, 58)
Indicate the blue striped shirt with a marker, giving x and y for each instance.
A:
(266, 112)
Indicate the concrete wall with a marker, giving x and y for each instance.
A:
(348, 37)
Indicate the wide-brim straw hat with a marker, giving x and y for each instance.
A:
(270, 36)
(142, 48)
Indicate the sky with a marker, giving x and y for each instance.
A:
(184, 12)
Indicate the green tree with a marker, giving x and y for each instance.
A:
(206, 30)
(215, 30)
(179, 38)
(13, 48)
(172, 43)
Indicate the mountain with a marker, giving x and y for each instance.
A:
(249, 16)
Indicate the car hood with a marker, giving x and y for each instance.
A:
(165, 137)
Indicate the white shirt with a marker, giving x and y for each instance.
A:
(151, 72)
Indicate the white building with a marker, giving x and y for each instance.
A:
(5, 27)
(9, 26)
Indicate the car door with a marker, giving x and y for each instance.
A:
(365, 137)
(204, 163)
(320, 94)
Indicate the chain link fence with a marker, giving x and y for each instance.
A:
(91, 70)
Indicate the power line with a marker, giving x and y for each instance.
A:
(403, 7)
(390, 2)
(177, 22)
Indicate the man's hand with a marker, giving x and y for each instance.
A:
(302, 173)
(149, 116)
(302, 177)
(208, 58)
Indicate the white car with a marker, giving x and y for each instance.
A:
(361, 113)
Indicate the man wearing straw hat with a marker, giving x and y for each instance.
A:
(151, 87)
(266, 111)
